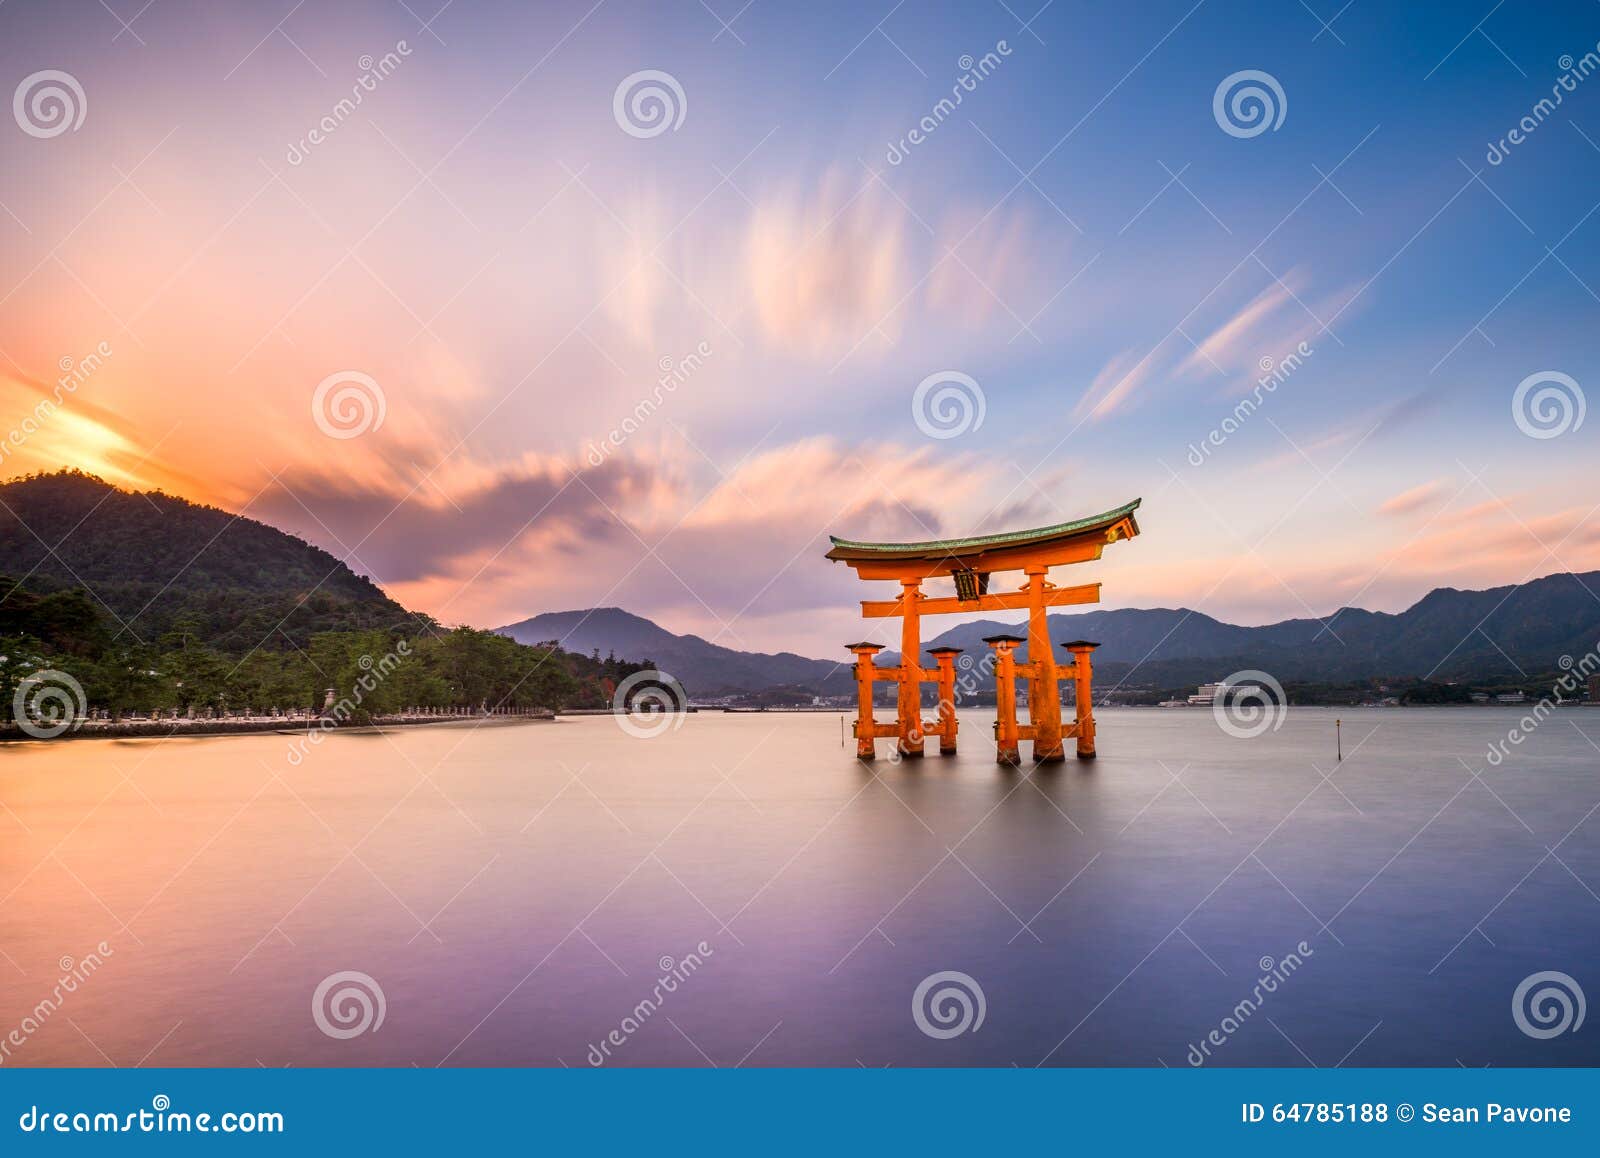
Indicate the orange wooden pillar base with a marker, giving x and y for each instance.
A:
(1007, 736)
(945, 729)
(1083, 684)
(866, 725)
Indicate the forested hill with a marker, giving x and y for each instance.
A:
(147, 603)
(155, 563)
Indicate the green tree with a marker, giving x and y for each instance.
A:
(126, 678)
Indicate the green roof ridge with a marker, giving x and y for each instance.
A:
(993, 540)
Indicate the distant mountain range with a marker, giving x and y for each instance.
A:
(1449, 634)
(1502, 633)
(702, 667)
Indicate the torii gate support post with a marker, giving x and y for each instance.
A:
(945, 657)
(1082, 678)
(866, 723)
(1044, 689)
(909, 705)
(1006, 738)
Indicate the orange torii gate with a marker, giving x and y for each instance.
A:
(970, 562)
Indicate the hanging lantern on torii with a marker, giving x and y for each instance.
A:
(970, 563)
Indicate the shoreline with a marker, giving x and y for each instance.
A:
(168, 729)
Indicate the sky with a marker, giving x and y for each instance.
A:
(529, 307)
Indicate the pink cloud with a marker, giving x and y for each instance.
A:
(1414, 499)
(1238, 341)
(1116, 384)
(827, 268)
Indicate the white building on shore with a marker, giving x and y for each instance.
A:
(1207, 695)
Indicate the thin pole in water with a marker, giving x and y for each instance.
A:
(1338, 738)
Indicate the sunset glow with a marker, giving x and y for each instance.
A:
(478, 236)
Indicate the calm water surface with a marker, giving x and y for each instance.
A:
(514, 891)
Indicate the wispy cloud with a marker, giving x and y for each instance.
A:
(1116, 384)
(1415, 499)
(1243, 338)
(1262, 330)
(827, 267)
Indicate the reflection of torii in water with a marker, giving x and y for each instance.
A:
(970, 562)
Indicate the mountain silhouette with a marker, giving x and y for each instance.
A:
(702, 667)
(155, 562)
(1506, 633)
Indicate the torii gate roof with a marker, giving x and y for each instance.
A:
(937, 550)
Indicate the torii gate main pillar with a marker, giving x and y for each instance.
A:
(1044, 687)
(908, 704)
